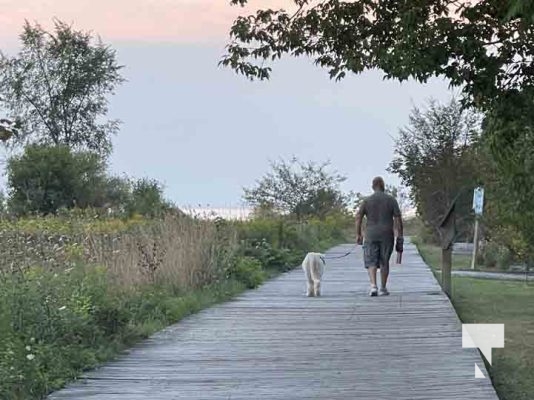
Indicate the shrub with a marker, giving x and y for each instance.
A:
(489, 255)
(46, 178)
(504, 258)
(247, 270)
(147, 199)
(51, 321)
(56, 324)
(270, 257)
(496, 255)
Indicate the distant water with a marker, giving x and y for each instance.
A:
(241, 213)
(234, 213)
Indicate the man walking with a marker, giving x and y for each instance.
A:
(383, 219)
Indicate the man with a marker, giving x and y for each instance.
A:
(383, 219)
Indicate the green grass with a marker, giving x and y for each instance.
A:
(432, 255)
(503, 302)
(56, 325)
(460, 262)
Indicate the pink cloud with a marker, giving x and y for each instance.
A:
(161, 20)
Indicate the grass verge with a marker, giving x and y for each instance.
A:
(502, 302)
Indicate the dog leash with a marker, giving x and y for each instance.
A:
(344, 255)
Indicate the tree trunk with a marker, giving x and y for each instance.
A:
(446, 268)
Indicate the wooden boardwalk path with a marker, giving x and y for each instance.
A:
(275, 343)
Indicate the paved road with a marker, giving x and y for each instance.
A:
(275, 343)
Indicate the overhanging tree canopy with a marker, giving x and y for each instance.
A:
(483, 46)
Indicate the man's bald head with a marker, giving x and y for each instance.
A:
(378, 184)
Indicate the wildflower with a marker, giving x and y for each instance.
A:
(62, 308)
(30, 357)
(28, 348)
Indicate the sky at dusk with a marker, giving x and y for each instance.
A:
(204, 131)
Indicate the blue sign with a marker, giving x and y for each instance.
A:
(478, 200)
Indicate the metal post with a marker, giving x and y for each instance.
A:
(475, 245)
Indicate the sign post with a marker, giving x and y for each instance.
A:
(478, 206)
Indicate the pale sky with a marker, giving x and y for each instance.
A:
(206, 132)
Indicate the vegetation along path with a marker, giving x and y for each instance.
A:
(275, 343)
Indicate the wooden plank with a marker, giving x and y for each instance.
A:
(275, 343)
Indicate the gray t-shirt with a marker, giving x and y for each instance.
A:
(379, 208)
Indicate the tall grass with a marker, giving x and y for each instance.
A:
(77, 289)
(177, 250)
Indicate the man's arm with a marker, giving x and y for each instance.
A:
(399, 227)
(399, 230)
(359, 219)
(397, 220)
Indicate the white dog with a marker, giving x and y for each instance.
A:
(313, 266)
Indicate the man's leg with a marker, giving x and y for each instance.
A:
(371, 260)
(372, 275)
(384, 273)
(386, 249)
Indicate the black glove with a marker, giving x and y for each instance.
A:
(399, 245)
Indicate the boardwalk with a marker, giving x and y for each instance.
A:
(274, 343)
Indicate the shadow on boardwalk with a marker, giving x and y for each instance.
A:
(274, 343)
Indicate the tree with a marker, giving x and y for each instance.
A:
(435, 156)
(479, 46)
(147, 198)
(300, 189)
(484, 47)
(46, 178)
(57, 88)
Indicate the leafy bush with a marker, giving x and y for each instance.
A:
(279, 259)
(489, 255)
(46, 178)
(504, 258)
(247, 270)
(495, 255)
(48, 318)
(147, 199)
(56, 324)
